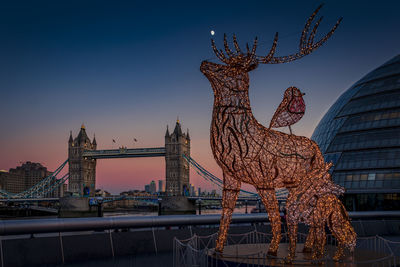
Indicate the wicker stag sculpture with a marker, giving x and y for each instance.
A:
(247, 151)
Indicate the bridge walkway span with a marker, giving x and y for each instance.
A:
(125, 153)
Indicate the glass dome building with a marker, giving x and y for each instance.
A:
(360, 134)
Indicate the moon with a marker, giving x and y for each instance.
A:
(212, 32)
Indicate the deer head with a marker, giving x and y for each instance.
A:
(233, 74)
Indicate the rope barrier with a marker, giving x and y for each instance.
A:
(203, 247)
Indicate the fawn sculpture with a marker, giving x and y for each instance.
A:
(315, 203)
(247, 151)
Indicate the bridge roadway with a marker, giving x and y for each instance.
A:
(125, 153)
(42, 199)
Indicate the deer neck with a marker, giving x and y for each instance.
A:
(232, 103)
(233, 110)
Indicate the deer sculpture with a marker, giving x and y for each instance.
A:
(247, 151)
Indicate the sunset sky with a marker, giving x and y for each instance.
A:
(127, 70)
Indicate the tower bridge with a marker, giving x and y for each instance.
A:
(83, 155)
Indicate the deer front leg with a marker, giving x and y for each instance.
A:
(230, 194)
(270, 202)
(320, 240)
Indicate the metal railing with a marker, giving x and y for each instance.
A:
(33, 226)
(55, 225)
(79, 225)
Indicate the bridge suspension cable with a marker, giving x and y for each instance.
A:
(280, 193)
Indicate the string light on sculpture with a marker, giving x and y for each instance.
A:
(248, 152)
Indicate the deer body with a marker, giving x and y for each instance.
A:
(246, 150)
(261, 150)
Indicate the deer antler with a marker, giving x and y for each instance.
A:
(219, 54)
(271, 53)
(306, 46)
(231, 57)
(227, 49)
(236, 45)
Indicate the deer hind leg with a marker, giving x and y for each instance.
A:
(337, 230)
(320, 240)
(270, 202)
(344, 234)
(339, 252)
(309, 244)
(230, 194)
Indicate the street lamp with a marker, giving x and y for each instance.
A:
(199, 201)
(99, 206)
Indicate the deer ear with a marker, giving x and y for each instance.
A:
(252, 66)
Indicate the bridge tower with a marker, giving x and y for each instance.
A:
(176, 167)
(82, 171)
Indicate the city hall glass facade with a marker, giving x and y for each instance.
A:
(360, 134)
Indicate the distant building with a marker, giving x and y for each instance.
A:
(199, 191)
(31, 173)
(12, 182)
(137, 193)
(3, 175)
(147, 188)
(23, 177)
(102, 193)
(161, 186)
(192, 190)
(204, 193)
(152, 187)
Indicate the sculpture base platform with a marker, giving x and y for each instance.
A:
(256, 254)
